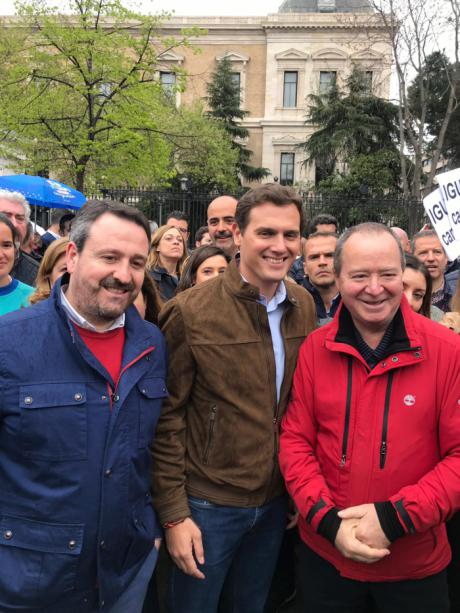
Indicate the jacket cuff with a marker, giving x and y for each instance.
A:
(389, 520)
(329, 525)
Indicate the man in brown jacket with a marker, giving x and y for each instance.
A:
(233, 344)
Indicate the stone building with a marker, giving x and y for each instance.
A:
(279, 60)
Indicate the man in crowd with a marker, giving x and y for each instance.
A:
(370, 444)
(427, 247)
(16, 207)
(202, 237)
(233, 346)
(320, 223)
(401, 235)
(78, 407)
(52, 232)
(319, 277)
(221, 219)
(179, 220)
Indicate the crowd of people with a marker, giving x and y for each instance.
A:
(278, 405)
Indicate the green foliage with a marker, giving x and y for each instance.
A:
(80, 96)
(434, 82)
(224, 103)
(373, 174)
(348, 124)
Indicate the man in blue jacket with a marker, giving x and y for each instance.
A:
(82, 378)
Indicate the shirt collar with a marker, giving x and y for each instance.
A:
(78, 319)
(279, 297)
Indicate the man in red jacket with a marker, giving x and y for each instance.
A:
(370, 448)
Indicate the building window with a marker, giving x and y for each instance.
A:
(168, 82)
(236, 79)
(327, 80)
(287, 169)
(290, 89)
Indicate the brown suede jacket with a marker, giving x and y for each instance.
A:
(217, 437)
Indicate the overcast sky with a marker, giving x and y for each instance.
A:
(187, 7)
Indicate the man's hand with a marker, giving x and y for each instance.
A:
(368, 530)
(185, 545)
(350, 547)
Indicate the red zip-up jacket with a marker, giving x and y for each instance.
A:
(353, 436)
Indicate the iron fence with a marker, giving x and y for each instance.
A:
(391, 211)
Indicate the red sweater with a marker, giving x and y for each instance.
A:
(107, 348)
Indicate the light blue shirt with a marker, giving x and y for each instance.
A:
(275, 309)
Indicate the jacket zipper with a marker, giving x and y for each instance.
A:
(114, 394)
(212, 421)
(386, 411)
(346, 427)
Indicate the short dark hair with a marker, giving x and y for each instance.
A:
(93, 209)
(56, 216)
(321, 219)
(369, 227)
(200, 255)
(178, 215)
(200, 233)
(416, 264)
(64, 219)
(424, 234)
(273, 193)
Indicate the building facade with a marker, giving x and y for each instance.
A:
(278, 61)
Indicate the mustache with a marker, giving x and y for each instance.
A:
(224, 234)
(112, 283)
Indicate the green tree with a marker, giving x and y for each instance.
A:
(81, 97)
(428, 98)
(224, 103)
(347, 124)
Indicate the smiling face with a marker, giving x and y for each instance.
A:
(17, 215)
(221, 219)
(370, 280)
(269, 245)
(210, 268)
(107, 275)
(7, 252)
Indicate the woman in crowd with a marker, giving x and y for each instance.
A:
(148, 301)
(52, 267)
(204, 263)
(13, 293)
(452, 319)
(166, 260)
(417, 288)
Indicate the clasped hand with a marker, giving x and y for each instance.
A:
(360, 536)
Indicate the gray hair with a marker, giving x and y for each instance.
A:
(369, 227)
(93, 209)
(6, 194)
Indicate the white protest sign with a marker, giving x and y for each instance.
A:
(436, 210)
(449, 184)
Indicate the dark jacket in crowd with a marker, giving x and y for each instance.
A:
(296, 271)
(223, 393)
(322, 315)
(26, 269)
(165, 283)
(76, 513)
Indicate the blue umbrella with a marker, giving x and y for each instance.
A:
(44, 192)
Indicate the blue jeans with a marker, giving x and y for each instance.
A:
(241, 547)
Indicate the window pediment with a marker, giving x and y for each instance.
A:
(170, 56)
(291, 54)
(233, 56)
(330, 54)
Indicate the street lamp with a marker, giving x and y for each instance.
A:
(183, 183)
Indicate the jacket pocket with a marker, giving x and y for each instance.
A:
(152, 392)
(38, 561)
(54, 421)
(142, 531)
(210, 437)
